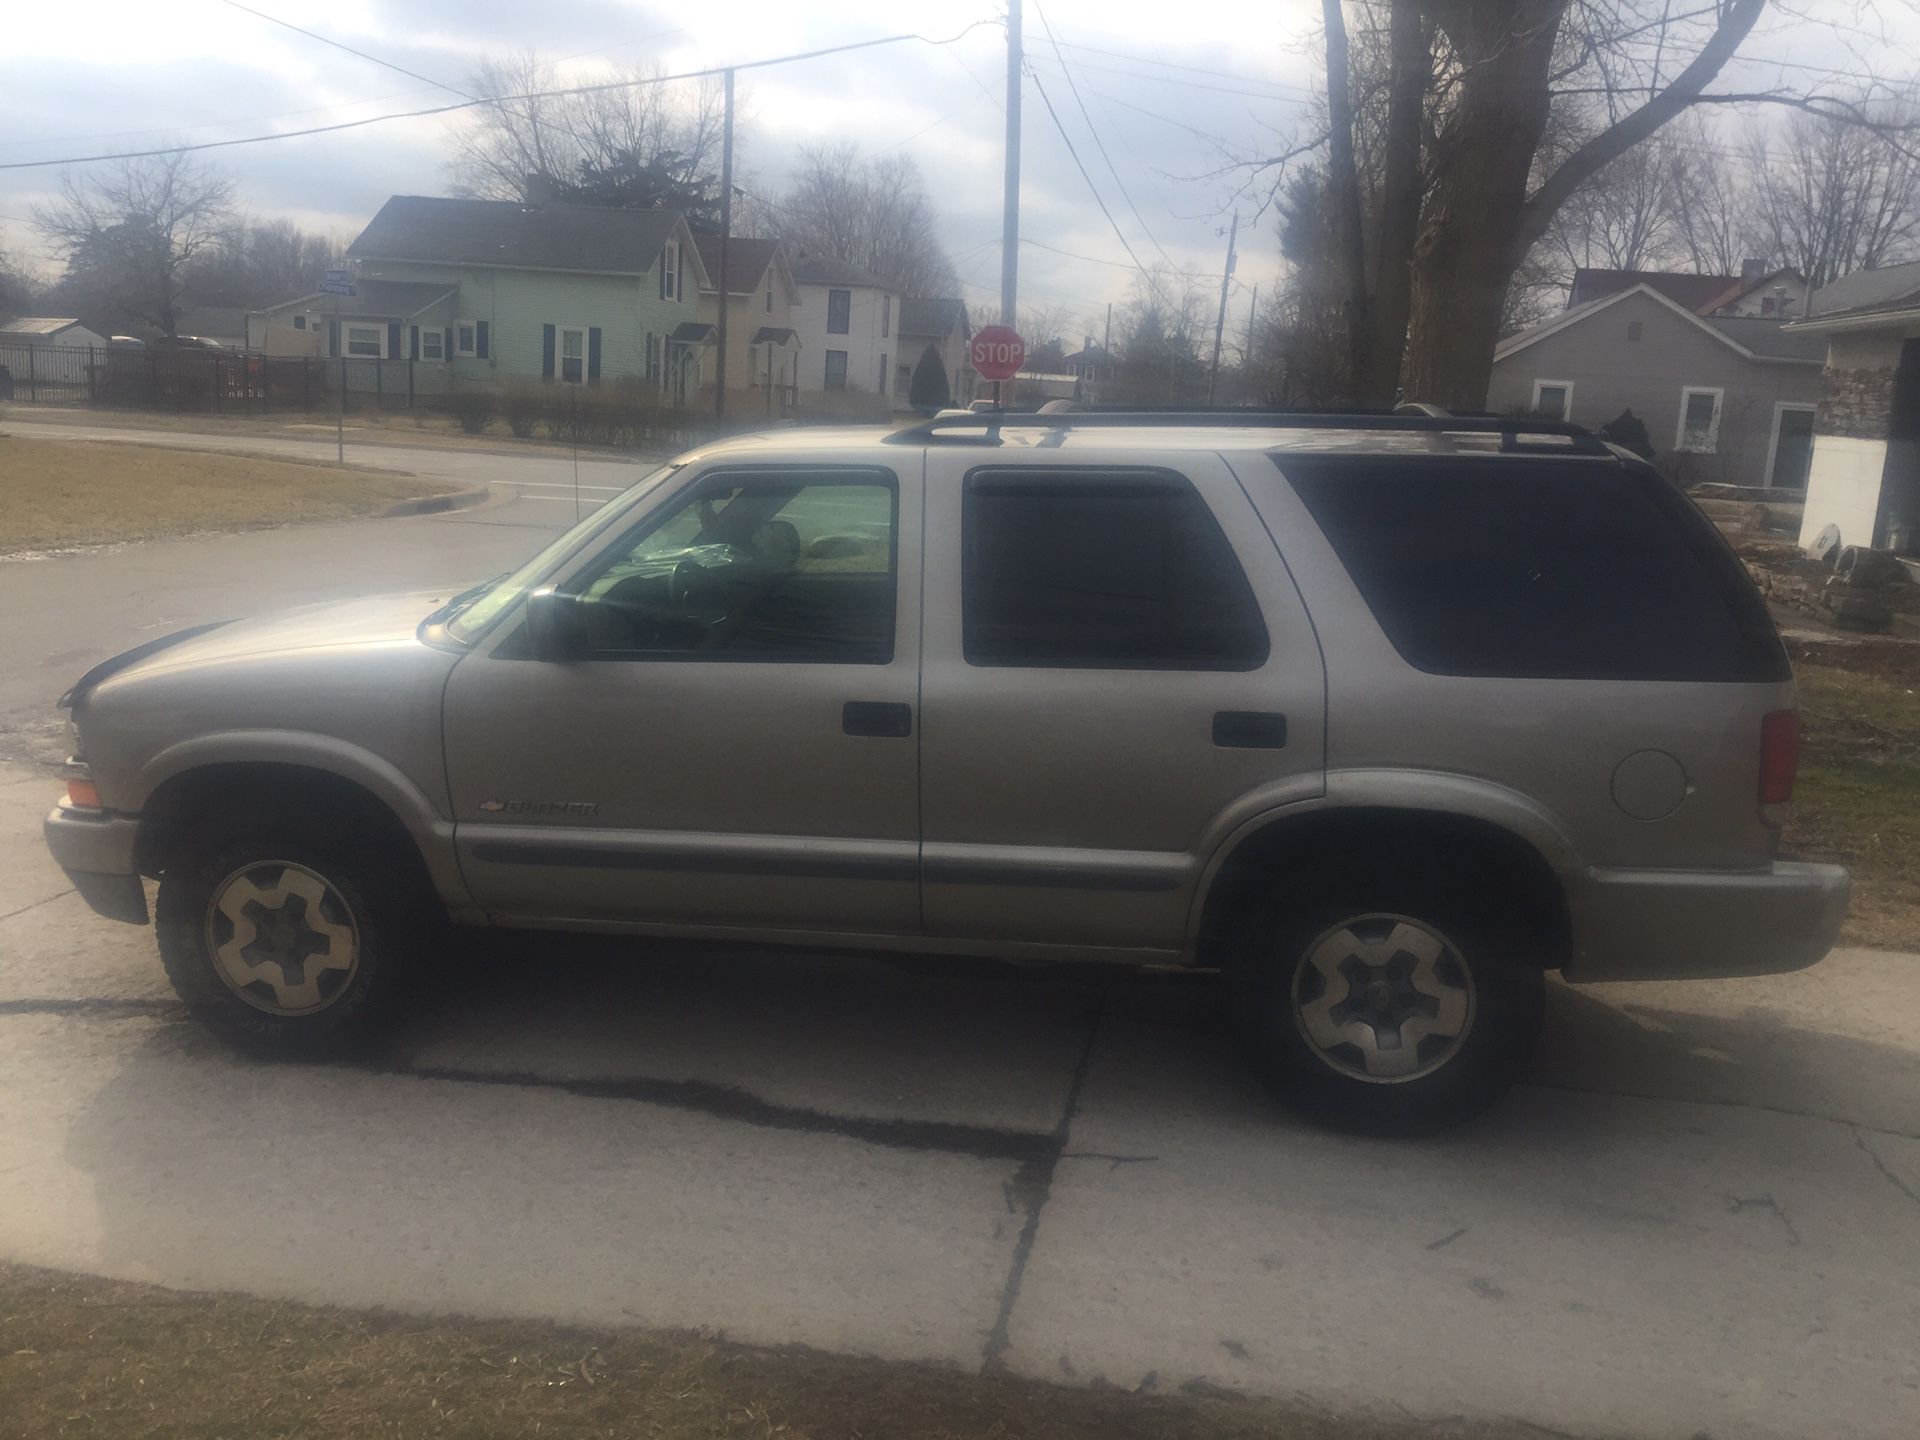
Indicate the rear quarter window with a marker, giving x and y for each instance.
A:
(1549, 569)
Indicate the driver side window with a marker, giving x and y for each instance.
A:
(759, 565)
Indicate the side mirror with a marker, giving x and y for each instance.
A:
(556, 630)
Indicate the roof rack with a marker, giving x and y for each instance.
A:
(1517, 433)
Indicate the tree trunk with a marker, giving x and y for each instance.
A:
(1410, 73)
(1469, 243)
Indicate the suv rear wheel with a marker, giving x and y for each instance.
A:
(289, 945)
(1391, 1005)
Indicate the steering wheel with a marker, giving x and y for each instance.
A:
(694, 594)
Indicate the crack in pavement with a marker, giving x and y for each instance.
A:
(1718, 1104)
(1894, 1180)
(1034, 1182)
(48, 900)
(1736, 1204)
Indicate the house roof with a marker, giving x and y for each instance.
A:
(37, 325)
(774, 335)
(747, 261)
(378, 299)
(694, 332)
(1754, 337)
(933, 317)
(1091, 355)
(1763, 335)
(825, 270)
(1866, 290)
(591, 238)
(1691, 291)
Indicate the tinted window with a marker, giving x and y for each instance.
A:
(1554, 569)
(759, 566)
(1120, 569)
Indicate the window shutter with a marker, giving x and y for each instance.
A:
(593, 355)
(663, 272)
(413, 342)
(333, 337)
(680, 275)
(393, 339)
(480, 339)
(546, 352)
(446, 343)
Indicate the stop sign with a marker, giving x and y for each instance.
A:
(997, 352)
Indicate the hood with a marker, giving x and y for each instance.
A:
(371, 622)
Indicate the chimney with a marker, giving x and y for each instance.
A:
(539, 189)
(1752, 270)
(1087, 344)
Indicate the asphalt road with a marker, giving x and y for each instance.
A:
(1699, 1216)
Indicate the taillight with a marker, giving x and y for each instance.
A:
(84, 794)
(1779, 762)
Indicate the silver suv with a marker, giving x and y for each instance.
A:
(1384, 717)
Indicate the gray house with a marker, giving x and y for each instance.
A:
(1724, 397)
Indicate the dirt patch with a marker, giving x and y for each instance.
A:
(57, 493)
(85, 1357)
(1857, 801)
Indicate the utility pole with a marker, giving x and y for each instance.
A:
(1220, 324)
(1246, 363)
(1010, 211)
(726, 230)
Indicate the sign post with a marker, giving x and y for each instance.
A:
(997, 353)
(338, 283)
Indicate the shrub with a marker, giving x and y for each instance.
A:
(472, 409)
(521, 406)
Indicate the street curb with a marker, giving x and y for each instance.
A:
(436, 504)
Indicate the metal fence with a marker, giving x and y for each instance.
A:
(222, 381)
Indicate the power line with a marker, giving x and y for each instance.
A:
(1199, 85)
(458, 105)
(1098, 142)
(339, 45)
(1192, 69)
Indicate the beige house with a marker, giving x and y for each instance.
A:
(940, 325)
(763, 349)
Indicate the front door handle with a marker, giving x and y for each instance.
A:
(885, 719)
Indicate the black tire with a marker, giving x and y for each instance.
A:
(365, 894)
(1484, 951)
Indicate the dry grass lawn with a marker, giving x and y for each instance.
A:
(57, 493)
(85, 1357)
(1857, 801)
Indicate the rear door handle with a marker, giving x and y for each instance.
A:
(1249, 730)
(885, 719)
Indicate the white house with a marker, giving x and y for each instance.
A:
(847, 324)
(33, 332)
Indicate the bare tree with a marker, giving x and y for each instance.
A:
(872, 213)
(257, 263)
(131, 232)
(1830, 196)
(17, 288)
(522, 131)
(1623, 218)
(1709, 198)
(1159, 345)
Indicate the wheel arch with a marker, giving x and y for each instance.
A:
(1360, 826)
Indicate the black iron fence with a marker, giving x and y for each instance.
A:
(191, 379)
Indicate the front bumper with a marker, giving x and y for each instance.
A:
(1703, 924)
(96, 849)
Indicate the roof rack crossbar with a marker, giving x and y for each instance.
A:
(1515, 432)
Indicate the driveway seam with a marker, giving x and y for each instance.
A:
(1034, 1184)
(35, 905)
(1892, 1179)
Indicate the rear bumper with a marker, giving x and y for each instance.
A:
(97, 852)
(1702, 924)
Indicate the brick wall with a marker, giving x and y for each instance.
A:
(1857, 403)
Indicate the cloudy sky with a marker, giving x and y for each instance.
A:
(1173, 92)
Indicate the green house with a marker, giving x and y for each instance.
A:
(490, 290)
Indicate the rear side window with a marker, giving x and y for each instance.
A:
(1115, 569)
(1557, 569)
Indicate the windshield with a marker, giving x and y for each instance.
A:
(492, 601)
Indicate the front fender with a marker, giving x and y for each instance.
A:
(431, 831)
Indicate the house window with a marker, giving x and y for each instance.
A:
(1553, 399)
(670, 270)
(836, 369)
(367, 341)
(299, 322)
(1634, 329)
(1699, 430)
(573, 356)
(903, 380)
(839, 311)
(463, 338)
(433, 343)
(886, 316)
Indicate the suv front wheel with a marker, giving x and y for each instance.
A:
(1389, 1007)
(288, 945)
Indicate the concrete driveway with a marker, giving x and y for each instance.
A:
(1700, 1216)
